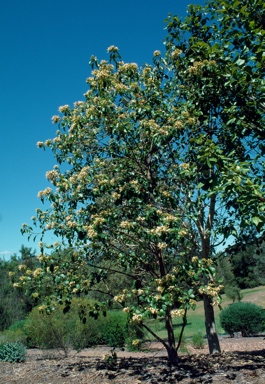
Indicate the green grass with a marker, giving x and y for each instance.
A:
(195, 318)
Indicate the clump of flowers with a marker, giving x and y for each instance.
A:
(176, 53)
(137, 318)
(56, 119)
(157, 53)
(64, 108)
(45, 192)
(177, 312)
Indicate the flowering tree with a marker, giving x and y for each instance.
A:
(116, 202)
(155, 168)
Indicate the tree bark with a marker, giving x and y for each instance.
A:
(212, 336)
(172, 354)
(171, 347)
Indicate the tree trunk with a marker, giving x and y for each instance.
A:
(212, 337)
(172, 354)
(171, 347)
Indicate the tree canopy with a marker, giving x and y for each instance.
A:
(159, 165)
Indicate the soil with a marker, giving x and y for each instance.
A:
(242, 361)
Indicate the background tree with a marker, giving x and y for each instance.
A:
(14, 304)
(245, 268)
(247, 258)
(216, 57)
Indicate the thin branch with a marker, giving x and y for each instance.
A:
(155, 335)
(182, 329)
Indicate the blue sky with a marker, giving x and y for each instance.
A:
(45, 49)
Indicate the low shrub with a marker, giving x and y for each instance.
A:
(12, 336)
(18, 325)
(12, 352)
(15, 333)
(113, 329)
(247, 318)
(64, 331)
(109, 330)
(49, 331)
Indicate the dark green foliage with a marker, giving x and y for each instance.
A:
(18, 325)
(226, 275)
(246, 318)
(12, 352)
(14, 303)
(260, 266)
(11, 306)
(247, 258)
(65, 331)
(244, 265)
(114, 330)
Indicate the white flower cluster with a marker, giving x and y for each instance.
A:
(177, 312)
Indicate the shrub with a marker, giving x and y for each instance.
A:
(15, 333)
(12, 352)
(18, 325)
(113, 329)
(246, 318)
(49, 331)
(198, 341)
(12, 336)
(64, 331)
(110, 330)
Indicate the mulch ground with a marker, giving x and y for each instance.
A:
(242, 361)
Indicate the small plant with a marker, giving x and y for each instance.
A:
(12, 352)
(133, 344)
(247, 318)
(111, 359)
(198, 341)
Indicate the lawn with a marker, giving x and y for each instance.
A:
(196, 318)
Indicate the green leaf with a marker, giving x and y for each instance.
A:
(240, 62)
(256, 220)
